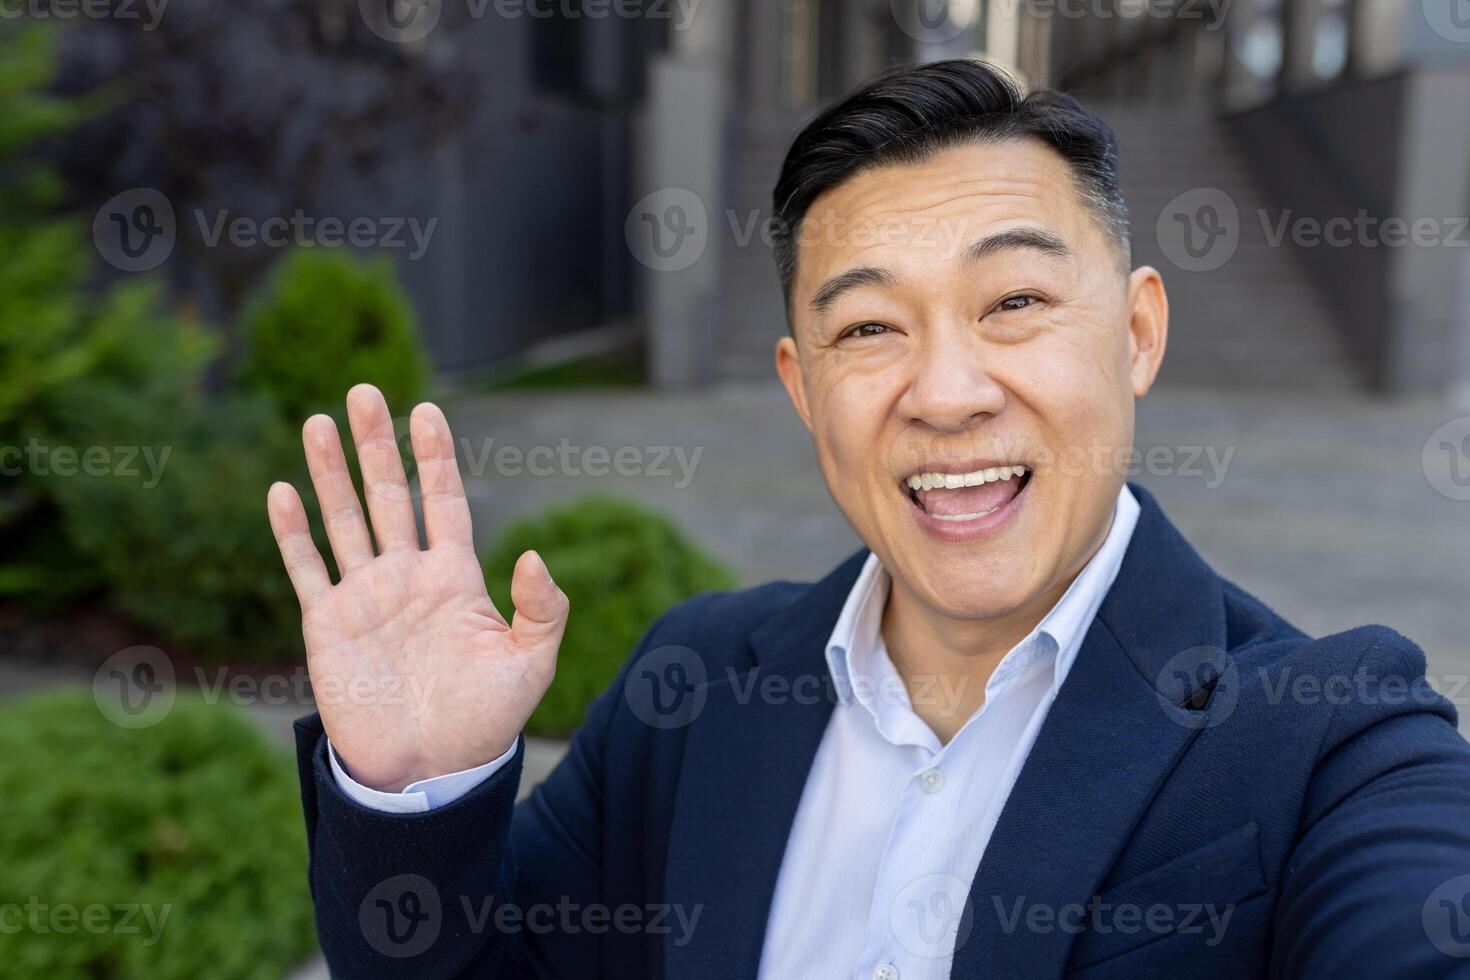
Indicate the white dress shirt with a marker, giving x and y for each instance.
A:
(891, 824)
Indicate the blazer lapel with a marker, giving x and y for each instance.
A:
(1121, 720)
(1126, 713)
(746, 760)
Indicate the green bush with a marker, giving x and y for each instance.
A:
(621, 566)
(112, 376)
(184, 545)
(195, 820)
(326, 321)
(59, 336)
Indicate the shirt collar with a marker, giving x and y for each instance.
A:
(855, 648)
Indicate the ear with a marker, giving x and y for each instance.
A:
(788, 367)
(1148, 327)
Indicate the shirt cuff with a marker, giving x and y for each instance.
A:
(423, 795)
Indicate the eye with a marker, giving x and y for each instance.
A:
(865, 330)
(1011, 303)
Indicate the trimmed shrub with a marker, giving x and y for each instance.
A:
(326, 321)
(60, 337)
(184, 544)
(176, 851)
(622, 566)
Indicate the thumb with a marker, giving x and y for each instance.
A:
(541, 608)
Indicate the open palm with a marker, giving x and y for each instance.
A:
(415, 672)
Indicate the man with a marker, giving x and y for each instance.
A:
(1028, 733)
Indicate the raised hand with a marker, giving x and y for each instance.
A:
(416, 673)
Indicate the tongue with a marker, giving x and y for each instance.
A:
(970, 500)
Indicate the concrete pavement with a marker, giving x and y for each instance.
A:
(1318, 503)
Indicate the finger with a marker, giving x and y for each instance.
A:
(303, 562)
(341, 512)
(383, 482)
(541, 608)
(446, 511)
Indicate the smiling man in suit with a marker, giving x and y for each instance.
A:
(1025, 732)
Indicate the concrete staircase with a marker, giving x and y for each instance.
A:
(1254, 322)
(752, 314)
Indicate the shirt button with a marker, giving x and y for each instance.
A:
(885, 971)
(931, 781)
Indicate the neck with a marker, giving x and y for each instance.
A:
(946, 661)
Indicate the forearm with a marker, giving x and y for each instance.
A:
(411, 893)
(1385, 842)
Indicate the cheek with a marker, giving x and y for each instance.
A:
(849, 414)
(1077, 374)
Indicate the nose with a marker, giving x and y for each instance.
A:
(951, 386)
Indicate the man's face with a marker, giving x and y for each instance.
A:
(953, 319)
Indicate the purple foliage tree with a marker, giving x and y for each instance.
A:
(255, 106)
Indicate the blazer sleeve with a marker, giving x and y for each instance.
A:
(1378, 883)
(452, 892)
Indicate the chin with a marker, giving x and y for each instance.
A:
(993, 600)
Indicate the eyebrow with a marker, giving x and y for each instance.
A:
(863, 275)
(1031, 238)
(866, 275)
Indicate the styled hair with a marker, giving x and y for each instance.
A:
(908, 114)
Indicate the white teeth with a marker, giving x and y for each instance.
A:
(953, 481)
(964, 517)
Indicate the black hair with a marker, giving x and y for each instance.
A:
(908, 114)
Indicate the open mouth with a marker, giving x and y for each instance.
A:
(956, 497)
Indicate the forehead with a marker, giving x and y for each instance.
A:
(916, 213)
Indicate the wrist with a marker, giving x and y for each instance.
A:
(401, 778)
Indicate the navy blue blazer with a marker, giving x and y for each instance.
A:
(1202, 751)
